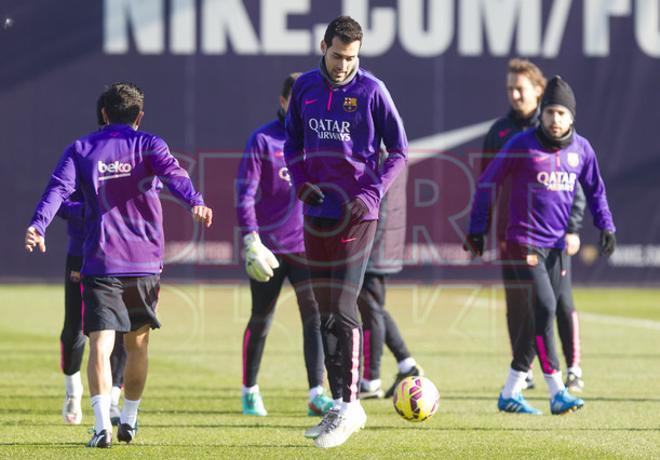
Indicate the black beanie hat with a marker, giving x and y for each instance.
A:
(558, 92)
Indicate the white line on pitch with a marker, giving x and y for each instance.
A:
(620, 321)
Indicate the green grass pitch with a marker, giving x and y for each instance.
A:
(191, 406)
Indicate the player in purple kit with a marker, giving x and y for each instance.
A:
(338, 117)
(119, 171)
(525, 83)
(271, 220)
(72, 339)
(545, 166)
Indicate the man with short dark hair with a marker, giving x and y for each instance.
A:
(271, 221)
(338, 117)
(545, 165)
(119, 171)
(72, 339)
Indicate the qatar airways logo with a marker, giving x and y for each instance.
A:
(557, 181)
(116, 169)
(327, 129)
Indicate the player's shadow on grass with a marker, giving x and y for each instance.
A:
(544, 397)
(225, 397)
(510, 429)
(204, 397)
(187, 388)
(264, 424)
(191, 412)
(68, 445)
(151, 412)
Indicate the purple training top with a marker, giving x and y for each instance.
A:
(542, 189)
(333, 137)
(117, 170)
(267, 201)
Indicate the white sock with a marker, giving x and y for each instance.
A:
(315, 391)
(73, 385)
(114, 396)
(337, 403)
(577, 370)
(530, 374)
(349, 406)
(371, 385)
(515, 383)
(129, 412)
(101, 407)
(406, 365)
(555, 383)
(248, 390)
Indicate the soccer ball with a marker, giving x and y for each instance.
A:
(416, 399)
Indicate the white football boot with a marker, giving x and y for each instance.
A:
(315, 431)
(341, 428)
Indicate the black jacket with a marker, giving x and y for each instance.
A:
(390, 240)
(503, 130)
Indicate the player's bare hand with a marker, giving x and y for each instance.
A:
(357, 209)
(572, 243)
(203, 214)
(34, 239)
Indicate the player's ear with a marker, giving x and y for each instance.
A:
(324, 47)
(138, 120)
(104, 114)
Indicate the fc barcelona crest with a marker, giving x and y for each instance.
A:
(573, 159)
(350, 104)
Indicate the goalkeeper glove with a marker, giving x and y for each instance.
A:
(259, 260)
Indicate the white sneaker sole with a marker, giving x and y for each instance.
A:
(321, 443)
(335, 442)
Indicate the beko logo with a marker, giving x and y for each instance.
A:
(116, 169)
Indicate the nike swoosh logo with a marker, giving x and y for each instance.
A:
(540, 159)
(279, 154)
(310, 101)
(504, 132)
(347, 240)
(428, 147)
